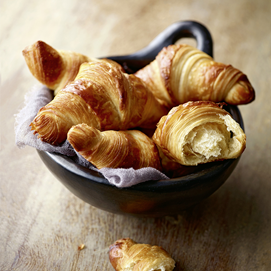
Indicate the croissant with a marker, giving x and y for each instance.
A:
(199, 132)
(114, 149)
(101, 96)
(181, 73)
(53, 68)
(127, 255)
(173, 169)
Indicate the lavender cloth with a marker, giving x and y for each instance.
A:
(40, 96)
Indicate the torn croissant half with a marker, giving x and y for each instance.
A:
(127, 255)
(182, 73)
(199, 132)
(53, 68)
(101, 96)
(114, 149)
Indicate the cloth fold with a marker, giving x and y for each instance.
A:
(38, 97)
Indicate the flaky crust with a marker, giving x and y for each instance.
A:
(199, 132)
(127, 255)
(181, 73)
(53, 68)
(114, 149)
(101, 96)
(174, 169)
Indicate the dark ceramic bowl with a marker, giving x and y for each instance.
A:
(152, 198)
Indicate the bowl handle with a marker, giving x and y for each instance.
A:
(176, 31)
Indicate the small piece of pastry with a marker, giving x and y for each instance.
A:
(199, 132)
(114, 149)
(101, 96)
(181, 73)
(127, 255)
(53, 68)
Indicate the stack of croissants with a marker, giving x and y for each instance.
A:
(169, 115)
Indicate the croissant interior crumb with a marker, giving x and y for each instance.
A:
(211, 141)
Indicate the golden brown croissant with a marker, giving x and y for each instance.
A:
(127, 255)
(170, 167)
(53, 68)
(101, 96)
(199, 132)
(114, 149)
(174, 169)
(181, 73)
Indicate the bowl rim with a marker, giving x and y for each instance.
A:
(87, 174)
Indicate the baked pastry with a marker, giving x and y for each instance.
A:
(199, 132)
(101, 96)
(114, 149)
(53, 68)
(181, 73)
(173, 169)
(127, 255)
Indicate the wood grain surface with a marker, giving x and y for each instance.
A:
(42, 223)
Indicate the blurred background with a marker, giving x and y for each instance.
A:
(42, 223)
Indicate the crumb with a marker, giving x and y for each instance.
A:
(82, 246)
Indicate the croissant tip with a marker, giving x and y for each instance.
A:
(247, 93)
(32, 46)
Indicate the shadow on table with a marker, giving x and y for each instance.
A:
(228, 230)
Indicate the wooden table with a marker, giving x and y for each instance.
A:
(42, 223)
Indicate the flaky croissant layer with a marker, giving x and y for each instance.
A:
(101, 96)
(114, 149)
(181, 73)
(199, 132)
(127, 255)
